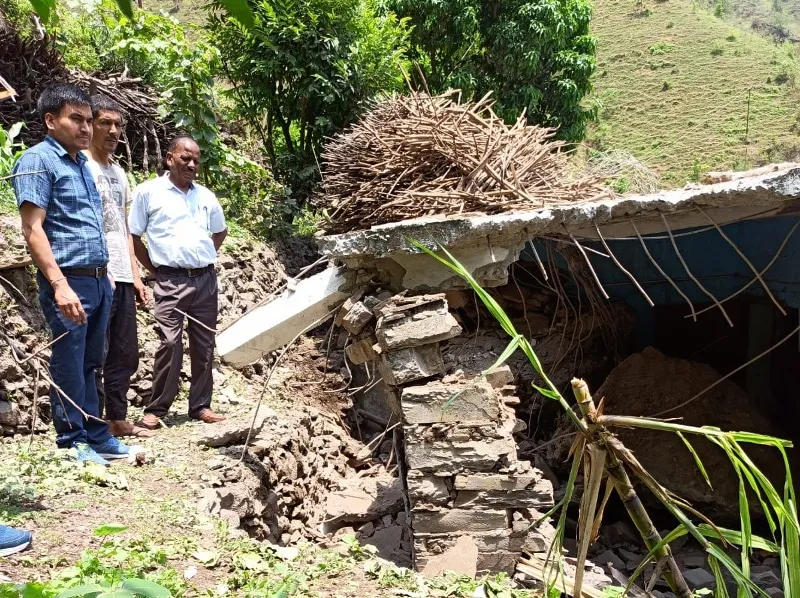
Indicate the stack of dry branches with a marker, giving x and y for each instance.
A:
(30, 65)
(418, 155)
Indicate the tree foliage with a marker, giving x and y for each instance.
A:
(306, 69)
(535, 56)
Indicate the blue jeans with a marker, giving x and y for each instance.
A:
(75, 358)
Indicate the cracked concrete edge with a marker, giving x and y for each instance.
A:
(751, 197)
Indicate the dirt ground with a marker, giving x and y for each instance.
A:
(157, 508)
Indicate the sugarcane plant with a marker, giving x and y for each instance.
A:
(604, 457)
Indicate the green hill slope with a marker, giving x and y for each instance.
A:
(674, 81)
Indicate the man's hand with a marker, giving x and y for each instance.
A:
(68, 302)
(142, 293)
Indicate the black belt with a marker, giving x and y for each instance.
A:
(100, 272)
(190, 272)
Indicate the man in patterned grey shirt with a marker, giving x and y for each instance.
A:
(122, 347)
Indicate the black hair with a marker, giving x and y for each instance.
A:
(101, 102)
(55, 97)
(177, 140)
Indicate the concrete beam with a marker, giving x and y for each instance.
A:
(752, 197)
(271, 326)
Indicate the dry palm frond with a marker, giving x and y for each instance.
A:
(417, 155)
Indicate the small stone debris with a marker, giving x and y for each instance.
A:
(699, 578)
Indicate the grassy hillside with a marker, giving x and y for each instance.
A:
(674, 81)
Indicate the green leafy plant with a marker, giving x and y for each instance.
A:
(307, 69)
(10, 149)
(534, 56)
(600, 452)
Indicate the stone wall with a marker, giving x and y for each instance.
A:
(473, 504)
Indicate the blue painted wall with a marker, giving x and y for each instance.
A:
(710, 258)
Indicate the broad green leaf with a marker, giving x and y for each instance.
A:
(146, 588)
(89, 590)
(125, 7)
(108, 529)
(44, 8)
(239, 10)
(119, 593)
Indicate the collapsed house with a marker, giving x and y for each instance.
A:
(678, 304)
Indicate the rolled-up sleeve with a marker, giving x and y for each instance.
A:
(217, 218)
(137, 219)
(32, 181)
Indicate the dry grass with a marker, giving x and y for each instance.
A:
(673, 80)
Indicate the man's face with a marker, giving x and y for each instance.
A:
(71, 127)
(107, 127)
(184, 162)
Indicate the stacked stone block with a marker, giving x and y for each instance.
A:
(464, 481)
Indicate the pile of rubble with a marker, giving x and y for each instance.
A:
(305, 478)
(473, 504)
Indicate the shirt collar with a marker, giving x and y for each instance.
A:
(170, 185)
(61, 151)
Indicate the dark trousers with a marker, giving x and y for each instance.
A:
(197, 296)
(75, 358)
(122, 354)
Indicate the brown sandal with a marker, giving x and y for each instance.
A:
(150, 422)
(123, 428)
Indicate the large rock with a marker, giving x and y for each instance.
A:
(650, 382)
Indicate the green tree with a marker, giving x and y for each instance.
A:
(305, 70)
(535, 56)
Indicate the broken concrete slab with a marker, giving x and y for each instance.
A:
(461, 558)
(724, 202)
(271, 326)
(439, 402)
(411, 364)
(459, 520)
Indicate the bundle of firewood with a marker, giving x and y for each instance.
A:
(420, 155)
(29, 65)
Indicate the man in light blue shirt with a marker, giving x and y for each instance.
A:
(185, 227)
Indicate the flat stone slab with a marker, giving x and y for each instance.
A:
(440, 402)
(456, 455)
(459, 520)
(233, 431)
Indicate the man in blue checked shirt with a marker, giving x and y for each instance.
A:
(62, 220)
